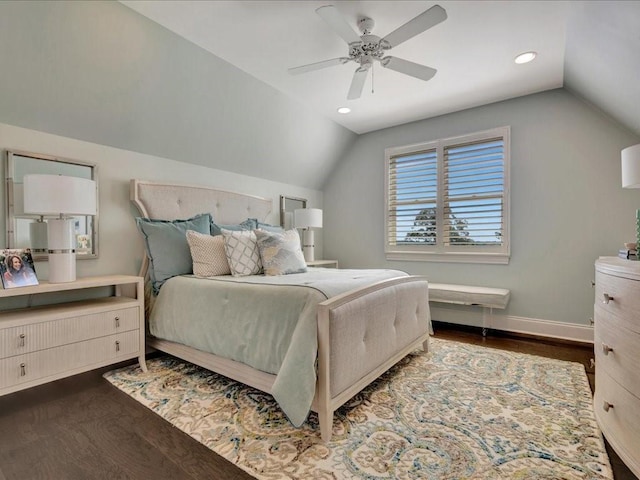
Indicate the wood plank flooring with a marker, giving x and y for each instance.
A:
(83, 428)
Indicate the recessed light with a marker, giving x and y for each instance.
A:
(344, 110)
(525, 57)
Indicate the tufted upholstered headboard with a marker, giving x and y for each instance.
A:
(170, 201)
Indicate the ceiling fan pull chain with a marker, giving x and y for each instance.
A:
(372, 79)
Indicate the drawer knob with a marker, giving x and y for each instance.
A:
(606, 406)
(607, 298)
(21, 338)
(592, 363)
(591, 322)
(606, 349)
(23, 369)
(117, 346)
(117, 320)
(593, 284)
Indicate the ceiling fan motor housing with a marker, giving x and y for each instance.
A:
(365, 25)
(370, 46)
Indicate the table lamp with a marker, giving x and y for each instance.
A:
(60, 196)
(631, 176)
(308, 219)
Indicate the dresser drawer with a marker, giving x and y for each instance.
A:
(55, 362)
(616, 349)
(37, 336)
(619, 296)
(620, 424)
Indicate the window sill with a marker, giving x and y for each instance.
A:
(450, 257)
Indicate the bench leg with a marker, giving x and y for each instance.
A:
(486, 319)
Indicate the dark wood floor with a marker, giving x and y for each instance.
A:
(83, 428)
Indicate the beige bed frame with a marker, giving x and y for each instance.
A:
(361, 333)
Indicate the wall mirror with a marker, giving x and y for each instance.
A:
(29, 231)
(287, 207)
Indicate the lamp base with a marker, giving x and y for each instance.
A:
(62, 267)
(38, 236)
(62, 254)
(308, 245)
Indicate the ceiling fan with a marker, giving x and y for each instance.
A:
(366, 48)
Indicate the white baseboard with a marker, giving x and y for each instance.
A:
(531, 326)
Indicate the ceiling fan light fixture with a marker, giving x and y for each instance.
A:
(344, 110)
(525, 57)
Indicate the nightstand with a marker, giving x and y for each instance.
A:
(323, 263)
(45, 343)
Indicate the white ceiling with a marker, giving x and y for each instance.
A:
(473, 51)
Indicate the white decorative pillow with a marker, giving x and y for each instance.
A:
(280, 252)
(242, 252)
(208, 255)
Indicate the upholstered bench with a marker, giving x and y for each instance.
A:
(486, 297)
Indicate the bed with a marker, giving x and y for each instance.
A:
(359, 328)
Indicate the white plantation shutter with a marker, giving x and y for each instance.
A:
(412, 198)
(473, 193)
(448, 200)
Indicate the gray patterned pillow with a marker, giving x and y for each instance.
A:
(242, 252)
(208, 254)
(280, 252)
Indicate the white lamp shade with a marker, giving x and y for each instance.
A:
(631, 167)
(59, 195)
(307, 218)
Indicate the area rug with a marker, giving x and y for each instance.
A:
(457, 412)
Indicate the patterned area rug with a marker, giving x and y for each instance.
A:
(459, 411)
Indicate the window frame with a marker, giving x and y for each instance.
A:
(491, 254)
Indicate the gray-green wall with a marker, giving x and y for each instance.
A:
(567, 203)
(100, 72)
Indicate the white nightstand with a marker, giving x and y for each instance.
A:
(44, 343)
(323, 263)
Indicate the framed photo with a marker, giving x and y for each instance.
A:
(16, 268)
(83, 243)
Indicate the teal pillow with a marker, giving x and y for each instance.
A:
(248, 224)
(167, 247)
(270, 228)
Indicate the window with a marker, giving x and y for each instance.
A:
(448, 200)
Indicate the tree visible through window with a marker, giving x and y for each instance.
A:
(449, 198)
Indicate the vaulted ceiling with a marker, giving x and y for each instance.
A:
(590, 47)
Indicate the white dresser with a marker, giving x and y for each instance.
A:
(44, 343)
(617, 351)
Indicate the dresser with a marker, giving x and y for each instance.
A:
(616, 400)
(39, 344)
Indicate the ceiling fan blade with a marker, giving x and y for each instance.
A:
(318, 65)
(408, 68)
(419, 24)
(336, 21)
(357, 84)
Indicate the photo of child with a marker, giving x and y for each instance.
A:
(83, 243)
